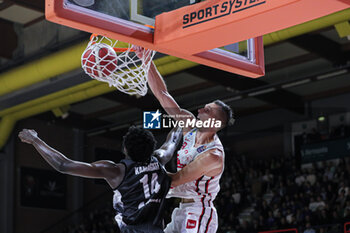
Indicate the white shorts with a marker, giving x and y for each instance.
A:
(188, 217)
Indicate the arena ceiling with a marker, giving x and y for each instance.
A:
(300, 69)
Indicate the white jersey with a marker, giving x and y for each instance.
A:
(205, 188)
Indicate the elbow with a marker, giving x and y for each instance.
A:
(162, 95)
(62, 167)
(175, 180)
(159, 154)
(174, 184)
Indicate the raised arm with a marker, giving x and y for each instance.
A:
(159, 89)
(108, 170)
(209, 163)
(166, 151)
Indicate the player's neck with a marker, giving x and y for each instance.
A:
(204, 136)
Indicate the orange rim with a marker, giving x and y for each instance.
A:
(117, 50)
(150, 26)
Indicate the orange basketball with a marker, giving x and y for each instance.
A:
(99, 60)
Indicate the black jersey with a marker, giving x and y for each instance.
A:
(140, 197)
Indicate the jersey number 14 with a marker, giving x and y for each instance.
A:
(152, 187)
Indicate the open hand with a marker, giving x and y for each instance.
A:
(142, 53)
(28, 135)
(139, 51)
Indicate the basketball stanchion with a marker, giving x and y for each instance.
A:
(117, 64)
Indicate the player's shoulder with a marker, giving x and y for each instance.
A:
(105, 163)
(152, 165)
(161, 166)
(129, 162)
(109, 169)
(217, 148)
(211, 157)
(218, 143)
(215, 152)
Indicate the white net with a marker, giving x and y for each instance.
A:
(117, 64)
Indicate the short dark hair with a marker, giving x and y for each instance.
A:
(139, 144)
(227, 112)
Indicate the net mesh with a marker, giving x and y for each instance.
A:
(117, 64)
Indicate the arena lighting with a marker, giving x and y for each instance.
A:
(293, 84)
(264, 91)
(332, 74)
(119, 127)
(288, 84)
(321, 118)
(97, 132)
(234, 98)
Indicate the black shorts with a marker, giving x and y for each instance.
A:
(141, 228)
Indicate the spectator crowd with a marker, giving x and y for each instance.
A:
(279, 195)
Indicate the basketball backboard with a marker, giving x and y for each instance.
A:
(125, 20)
(143, 12)
(219, 33)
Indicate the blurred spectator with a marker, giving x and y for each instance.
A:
(344, 187)
(299, 179)
(311, 177)
(316, 204)
(271, 221)
(309, 229)
(341, 198)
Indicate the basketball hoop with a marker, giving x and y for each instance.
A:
(117, 64)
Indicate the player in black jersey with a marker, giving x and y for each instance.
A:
(140, 182)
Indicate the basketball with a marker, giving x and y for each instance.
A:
(99, 60)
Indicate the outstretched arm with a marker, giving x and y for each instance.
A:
(108, 170)
(159, 89)
(166, 151)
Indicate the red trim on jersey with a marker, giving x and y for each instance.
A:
(197, 185)
(206, 189)
(209, 200)
(201, 216)
(207, 184)
(211, 216)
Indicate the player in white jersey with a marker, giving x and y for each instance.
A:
(200, 161)
(196, 213)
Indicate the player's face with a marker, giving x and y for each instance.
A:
(208, 111)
